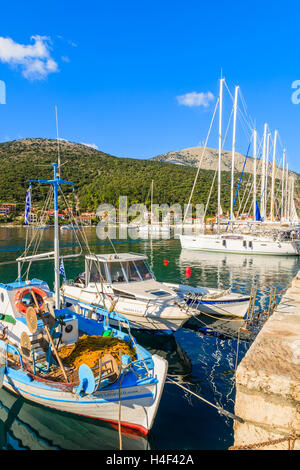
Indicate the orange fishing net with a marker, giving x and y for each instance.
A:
(88, 350)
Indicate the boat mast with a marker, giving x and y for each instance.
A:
(58, 149)
(289, 198)
(233, 151)
(282, 186)
(267, 171)
(151, 202)
(286, 191)
(56, 182)
(56, 238)
(263, 175)
(292, 198)
(220, 150)
(254, 173)
(273, 178)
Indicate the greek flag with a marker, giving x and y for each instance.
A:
(27, 207)
(62, 268)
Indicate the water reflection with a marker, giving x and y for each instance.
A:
(168, 348)
(28, 426)
(231, 269)
(240, 272)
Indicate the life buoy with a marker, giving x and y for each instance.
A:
(26, 290)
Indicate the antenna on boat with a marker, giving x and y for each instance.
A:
(57, 138)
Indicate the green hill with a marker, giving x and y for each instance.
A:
(102, 178)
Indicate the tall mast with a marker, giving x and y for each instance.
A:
(56, 182)
(273, 177)
(220, 151)
(58, 150)
(286, 191)
(152, 202)
(282, 185)
(233, 150)
(263, 175)
(292, 198)
(56, 238)
(267, 172)
(289, 198)
(254, 173)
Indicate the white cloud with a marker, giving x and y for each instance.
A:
(34, 60)
(93, 146)
(195, 99)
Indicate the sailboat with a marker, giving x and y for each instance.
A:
(154, 228)
(254, 242)
(56, 358)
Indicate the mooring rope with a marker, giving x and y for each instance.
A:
(220, 410)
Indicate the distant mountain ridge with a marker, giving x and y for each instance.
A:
(191, 157)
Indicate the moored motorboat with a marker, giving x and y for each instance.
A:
(125, 283)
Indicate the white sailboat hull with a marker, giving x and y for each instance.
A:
(240, 244)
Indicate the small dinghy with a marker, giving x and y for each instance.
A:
(69, 227)
(222, 302)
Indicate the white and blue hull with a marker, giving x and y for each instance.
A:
(139, 403)
(234, 308)
(212, 301)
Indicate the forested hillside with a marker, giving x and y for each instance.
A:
(100, 177)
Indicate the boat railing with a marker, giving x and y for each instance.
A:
(11, 349)
(140, 364)
(104, 314)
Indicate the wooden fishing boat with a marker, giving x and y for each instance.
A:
(127, 391)
(110, 378)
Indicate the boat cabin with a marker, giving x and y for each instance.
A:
(16, 297)
(117, 268)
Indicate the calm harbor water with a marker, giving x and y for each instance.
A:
(204, 363)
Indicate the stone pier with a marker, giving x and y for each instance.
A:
(268, 380)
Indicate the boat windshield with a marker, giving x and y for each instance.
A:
(143, 270)
(128, 271)
(131, 272)
(116, 272)
(97, 272)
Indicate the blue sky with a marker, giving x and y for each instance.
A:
(116, 69)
